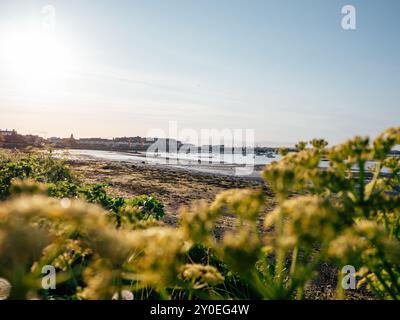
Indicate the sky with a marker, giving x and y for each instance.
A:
(285, 69)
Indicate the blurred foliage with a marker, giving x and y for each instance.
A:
(103, 247)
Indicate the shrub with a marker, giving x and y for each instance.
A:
(149, 207)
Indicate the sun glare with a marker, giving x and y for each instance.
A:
(34, 58)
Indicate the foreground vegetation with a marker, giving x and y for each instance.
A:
(107, 247)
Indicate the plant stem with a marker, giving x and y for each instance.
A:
(384, 284)
(293, 265)
(340, 289)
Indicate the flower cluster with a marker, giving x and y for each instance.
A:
(308, 220)
(201, 276)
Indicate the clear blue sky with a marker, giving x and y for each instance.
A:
(284, 68)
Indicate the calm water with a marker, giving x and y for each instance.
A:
(236, 164)
(171, 158)
(230, 164)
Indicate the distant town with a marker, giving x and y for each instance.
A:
(13, 140)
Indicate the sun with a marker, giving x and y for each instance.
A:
(34, 57)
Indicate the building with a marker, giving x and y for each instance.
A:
(95, 141)
(7, 133)
(54, 140)
(34, 140)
